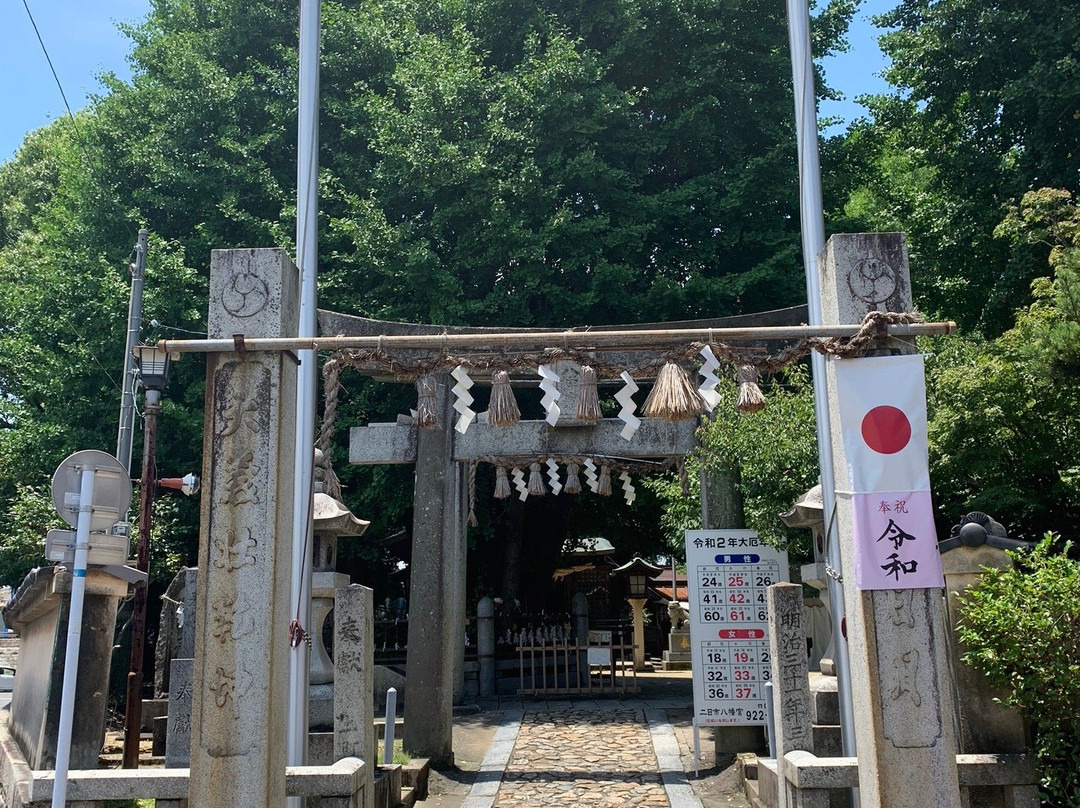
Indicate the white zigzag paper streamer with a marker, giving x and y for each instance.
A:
(462, 399)
(549, 380)
(553, 477)
(628, 487)
(710, 381)
(520, 484)
(626, 398)
(590, 475)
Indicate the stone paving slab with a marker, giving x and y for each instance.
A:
(614, 756)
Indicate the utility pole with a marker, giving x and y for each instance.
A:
(127, 394)
(133, 703)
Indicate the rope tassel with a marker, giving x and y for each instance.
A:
(536, 481)
(604, 488)
(588, 405)
(425, 402)
(751, 399)
(503, 407)
(673, 397)
(573, 482)
(502, 484)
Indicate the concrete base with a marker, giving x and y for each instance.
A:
(733, 740)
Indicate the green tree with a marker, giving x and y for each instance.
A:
(1004, 413)
(493, 163)
(1022, 629)
(772, 453)
(984, 108)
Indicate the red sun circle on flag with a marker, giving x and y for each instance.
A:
(886, 429)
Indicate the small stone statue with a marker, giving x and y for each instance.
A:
(680, 617)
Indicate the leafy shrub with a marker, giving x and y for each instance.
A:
(1022, 629)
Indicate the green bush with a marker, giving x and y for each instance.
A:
(1022, 629)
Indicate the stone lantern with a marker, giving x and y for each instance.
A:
(332, 521)
(638, 573)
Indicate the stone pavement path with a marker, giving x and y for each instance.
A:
(610, 757)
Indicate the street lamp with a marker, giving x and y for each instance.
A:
(152, 364)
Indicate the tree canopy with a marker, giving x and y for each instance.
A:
(541, 164)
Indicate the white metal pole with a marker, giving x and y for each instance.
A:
(812, 220)
(307, 209)
(74, 636)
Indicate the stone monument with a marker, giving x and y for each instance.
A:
(239, 706)
(897, 639)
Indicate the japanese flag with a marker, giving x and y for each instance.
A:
(882, 402)
(882, 405)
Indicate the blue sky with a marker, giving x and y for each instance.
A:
(82, 41)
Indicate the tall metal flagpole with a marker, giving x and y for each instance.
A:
(812, 220)
(307, 210)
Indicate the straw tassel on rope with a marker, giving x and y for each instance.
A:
(604, 487)
(502, 484)
(503, 407)
(673, 397)
(425, 402)
(536, 481)
(588, 405)
(573, 482)
(751, 398)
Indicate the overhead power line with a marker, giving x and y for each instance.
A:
(48, 59)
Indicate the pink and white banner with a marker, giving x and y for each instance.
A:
(882, 405)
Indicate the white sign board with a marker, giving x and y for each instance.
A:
(728, 572)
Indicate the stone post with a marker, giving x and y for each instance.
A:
(791, 680)
(485, 645)
(897, 638)
(637, 607)
(431, 654)
(242, 617)
(354, 666)
(985, 724)
(459, 612)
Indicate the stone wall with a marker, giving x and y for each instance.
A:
(9, 652)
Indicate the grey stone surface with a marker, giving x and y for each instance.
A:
(790, 675)
(176, 632)
(897, 640)
(354, 663)
(395, 443)
(986, 725)
(679, 792)
(321, 707)
(38, 612)
(241, 631)
(178, 732)
(438, 523)
(485, 645)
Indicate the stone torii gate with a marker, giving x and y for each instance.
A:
(435, 654)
